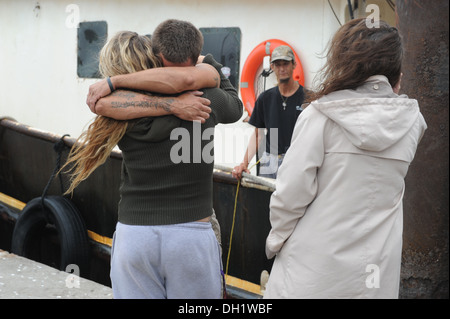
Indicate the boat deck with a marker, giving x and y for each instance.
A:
(21, 278)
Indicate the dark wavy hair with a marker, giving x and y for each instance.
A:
(357, 52)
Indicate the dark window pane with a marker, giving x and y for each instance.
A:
(225, 45)
(91, 38)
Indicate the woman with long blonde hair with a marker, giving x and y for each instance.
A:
(126, 52)
(164, 245)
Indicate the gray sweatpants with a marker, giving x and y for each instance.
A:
(178, 261)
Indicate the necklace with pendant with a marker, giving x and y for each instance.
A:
(284, 102)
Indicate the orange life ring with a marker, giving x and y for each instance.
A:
(251, 66)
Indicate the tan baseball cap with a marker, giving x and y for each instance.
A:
(282, 52)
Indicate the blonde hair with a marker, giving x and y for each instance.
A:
(126, 52)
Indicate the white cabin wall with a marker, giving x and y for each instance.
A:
(39, 85)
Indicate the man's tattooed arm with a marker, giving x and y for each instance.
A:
(126, 105)
(126, 99)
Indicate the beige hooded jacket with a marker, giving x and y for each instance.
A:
(336, 214)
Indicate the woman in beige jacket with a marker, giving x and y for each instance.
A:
(337, 212)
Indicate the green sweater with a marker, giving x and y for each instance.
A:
(168, 163)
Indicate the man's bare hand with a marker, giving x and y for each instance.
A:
(96, 92)
(190, 106)
(238, 170)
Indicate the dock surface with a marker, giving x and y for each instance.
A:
(21, 278)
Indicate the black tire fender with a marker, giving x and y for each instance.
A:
(62, 213)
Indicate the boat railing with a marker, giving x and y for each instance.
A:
(249, 180)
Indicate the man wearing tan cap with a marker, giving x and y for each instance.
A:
(276, 110)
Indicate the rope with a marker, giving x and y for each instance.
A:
(58, 147)
(232, 228)
(234, 219)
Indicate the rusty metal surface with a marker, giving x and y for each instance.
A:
(424, 26)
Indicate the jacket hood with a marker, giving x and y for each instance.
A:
(372, 117)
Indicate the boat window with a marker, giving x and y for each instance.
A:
(91, 38)
(225, 46)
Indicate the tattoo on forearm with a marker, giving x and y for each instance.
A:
(164, 104)
(132, 99)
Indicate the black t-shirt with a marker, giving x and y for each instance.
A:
(269, 113)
